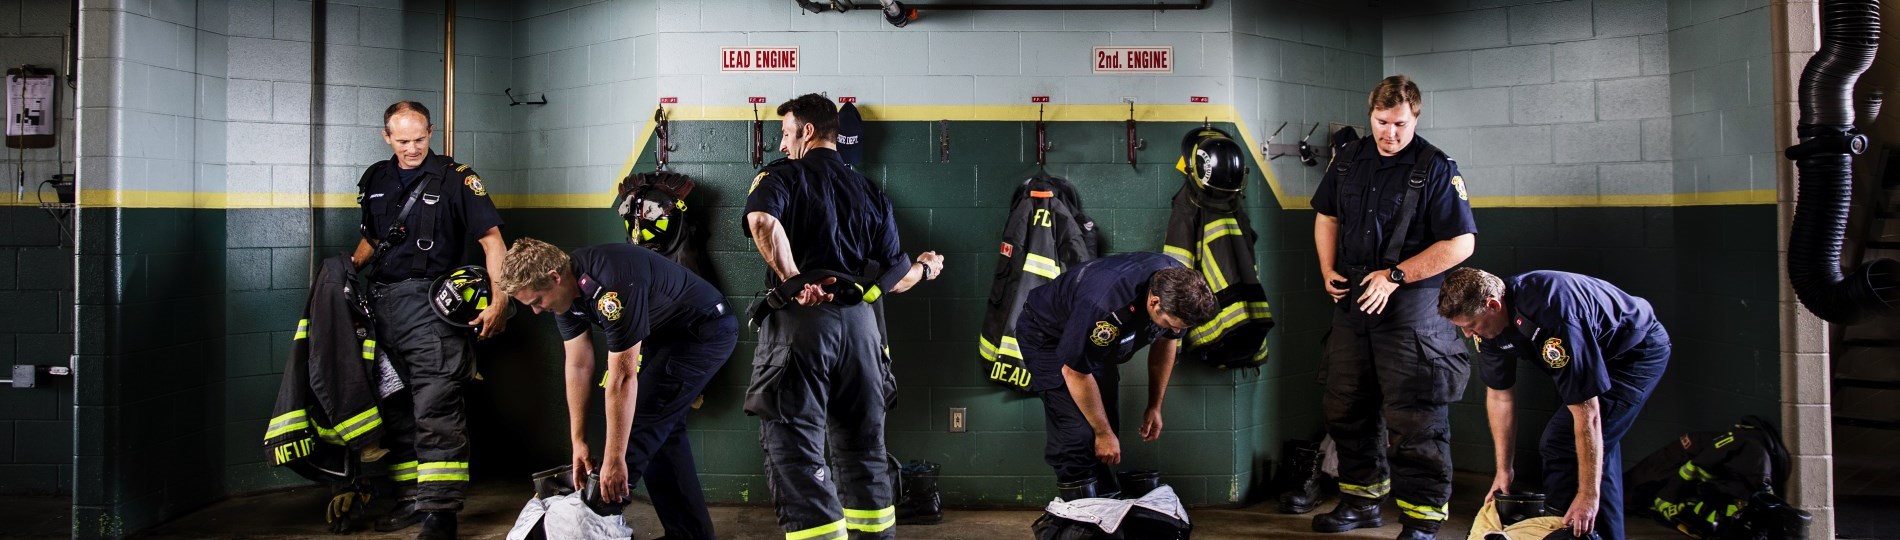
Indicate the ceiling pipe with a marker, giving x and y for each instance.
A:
(1097, 6)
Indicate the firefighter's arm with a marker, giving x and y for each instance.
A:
(492, 320)
(623, 391)
(927, 267)
(1437, 258)
(768, 235)
(1500, 407)
(579, 369)
(1160, 367)
(362, 253)
(1088, 398)
(1587, 430)
(1326, 242)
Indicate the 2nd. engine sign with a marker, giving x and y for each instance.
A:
(1134, 59)
(758, 59)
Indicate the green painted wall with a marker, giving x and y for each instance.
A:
(36, 293)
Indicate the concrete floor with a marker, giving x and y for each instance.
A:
(492, 508)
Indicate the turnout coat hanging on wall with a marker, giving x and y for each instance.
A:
(1045, 234)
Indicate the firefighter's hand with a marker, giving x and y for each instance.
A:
(1378, 289)
(1582, 517)
(492, 320)
(933, 264)
(1108, 448)
(343, 508)
(1151, 425)
(1327, 278)
(1500, 484)
(613, 479)
(580, 466)
(815, 294)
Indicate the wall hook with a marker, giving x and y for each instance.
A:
(664, 133)
(1134, 141)
(512, 101)
(758, 134)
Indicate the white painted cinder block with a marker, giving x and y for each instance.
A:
(1256, 56)
(252, 18)
(1086, 20)
(1602, 58)
(931, 90)
(1721, 87)
(868, 90)
(817, 51)
(1190, 56)
(1508, 66)
(1550, 22)
(1597, 142)
(1060, 53)
(1217, 18)
(1465, 108)
(1553, 103)
(975, 53)
(1512, 145)
(270, 59)
(1630, 17)
(611, 61)
(1536, 180)
(1656, 139)
(1653, 50)
(695, 53)
(248, 99)
(292, 20)
(885, 53)
(1477, 29)
(1436, 71)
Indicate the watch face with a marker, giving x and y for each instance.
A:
(1397, 275)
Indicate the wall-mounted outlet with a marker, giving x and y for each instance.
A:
(958, 420)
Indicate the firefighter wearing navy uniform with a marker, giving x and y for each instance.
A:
(420, 210)
(668, 332)
(1077, 330)
(819, 375)
(1392, 216)
(1605, 351)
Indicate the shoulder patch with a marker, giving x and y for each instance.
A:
(1104, 334)
(755, 182)
(1554, 354)
(1458, 182)
(609, 306)
(474, 184)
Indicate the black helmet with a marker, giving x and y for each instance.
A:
(1193, 138)
(461, 294)
(654, 208)
(1218, 164)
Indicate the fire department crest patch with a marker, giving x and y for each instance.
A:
(1104, 334)
(1459, 183)
(609, 306)
(755, 183)
(474, 184)
(1554, 354)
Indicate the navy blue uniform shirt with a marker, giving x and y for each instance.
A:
(1575, 327)
(835, 218)
(1367, 206)
(632, 292)
(1096, 313)
(463, 213)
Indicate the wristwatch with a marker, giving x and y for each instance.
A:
(1396, 275)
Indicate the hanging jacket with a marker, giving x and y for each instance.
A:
(1700, 482)
(1213, 236)
(331, 384)
(1045, 234)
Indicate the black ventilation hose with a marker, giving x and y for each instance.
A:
(1850, 35)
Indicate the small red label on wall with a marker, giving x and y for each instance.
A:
(1134, 60)
(1038, 99)
(669, 100)
(756, 99)
(1197, 99)
(847, 99)
(758, 59)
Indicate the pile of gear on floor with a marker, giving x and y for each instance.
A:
(1136, 506)
(1713, 485)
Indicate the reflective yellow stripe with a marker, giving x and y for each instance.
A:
(328, 435)
(357, 425)
(985, 348)
(1693, 473)
(369, 350)
(403, 472)
(870, 520)
(1428, 513)
(1370, 492)
(303, 329)
(828, 531)
(1180, 254)
(1220, 227)
(1010, 348)
(872, 294)
(286, 423)
(1209, 268)
(1232, 315)
(442, 471)
(1041, 266)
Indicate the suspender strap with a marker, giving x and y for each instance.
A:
(1342, 171)
(1414, 185)
(430, 194)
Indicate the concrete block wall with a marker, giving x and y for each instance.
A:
(594, 63)
(1721, 97)
(1544, 103)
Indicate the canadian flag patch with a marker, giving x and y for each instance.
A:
(1008, 250)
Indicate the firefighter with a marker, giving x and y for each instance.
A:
(1077, 330)
(1392, 215)
(420, 210)
(819, 378)
(1604, 349)
(668, 331)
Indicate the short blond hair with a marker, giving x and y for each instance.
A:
(527, 264)
(1465, 291)
(1394, 91)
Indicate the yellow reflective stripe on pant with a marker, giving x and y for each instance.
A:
(442, 471)
(286, 423)
(870, 520)
(828, 531)
(1041, 266)
(1370, 492)
(1425, 512)
(1693, 473)
(369, 350)
(403, 472)
(303, 329)
(357, 425)
(328, 435)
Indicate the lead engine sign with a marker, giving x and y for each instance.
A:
(1134, 59)
(758, 59)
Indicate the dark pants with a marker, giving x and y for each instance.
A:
(435, 359)
(1388, 379)
(674, 372)
(1070, 447)
(1618, 409)
(818, 384)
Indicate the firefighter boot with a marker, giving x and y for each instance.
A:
(1415, 533)
(404, 515)
(1077, 489)
(1352, 513)
(437, 526)
(1301, 477)
(1515, 507)
(921, 505)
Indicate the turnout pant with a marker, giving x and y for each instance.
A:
(435, 359)
(1387, 380)
(818, 383)
(1070, 449)
(1618, 409)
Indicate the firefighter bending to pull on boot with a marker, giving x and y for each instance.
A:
(1077, 330)
(419, 212)
(1604, 349)
(668, 332)
(819, 377)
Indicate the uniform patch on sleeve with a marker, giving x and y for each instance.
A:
(1554, 354)
(609, 306)
(474, 184)
(1104, 334)
(461, 167)
(1458, 182)
(755, 182)
(1008, 250)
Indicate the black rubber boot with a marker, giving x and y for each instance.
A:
(403, 516)
(920, 504)
(1415, 533)
(1138, 482)
(437, 526)
(1351, 513)
(1301, 478)
(1077, 489)
(1515, 507)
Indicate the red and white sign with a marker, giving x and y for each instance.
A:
(847, 99)
(758, 59)
(1134, 60)
(755, 99)
(1197, 99)
(669, 99)
(1038, 99)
